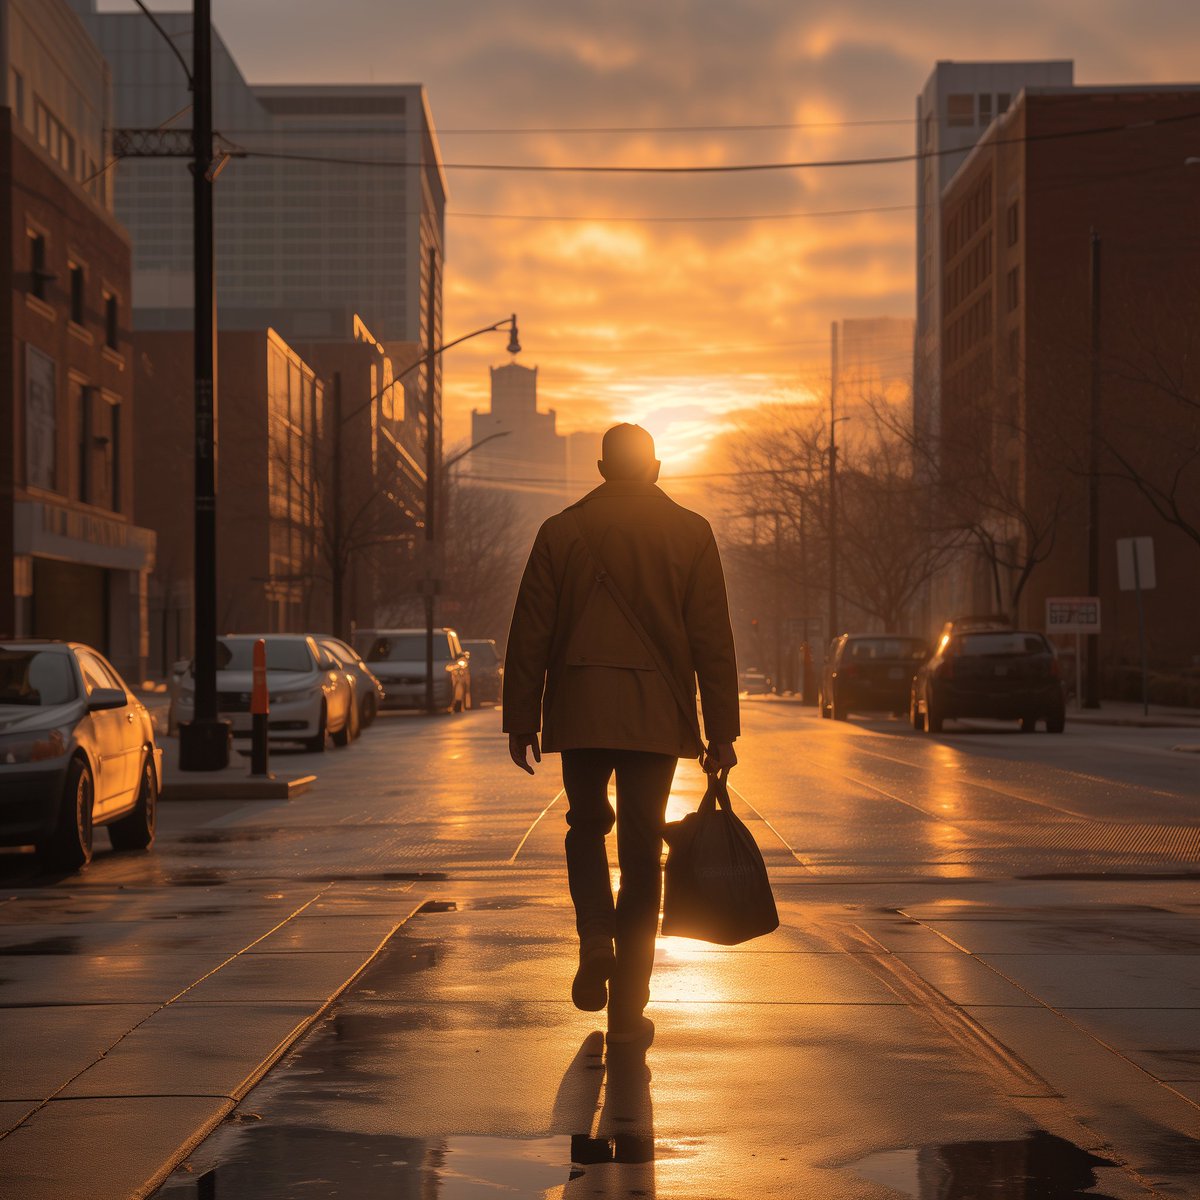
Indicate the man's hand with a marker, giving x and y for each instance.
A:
(520, 743)
(719, 756)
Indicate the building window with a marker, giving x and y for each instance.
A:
(18, 97)
(38, 277)
(112, 321)
(114, 456)
(960, 109)
(1013, 223)
(1013, 288)
(1002, 102)
(985, 108)
(84, 447)
(77, 283)
(41, 420)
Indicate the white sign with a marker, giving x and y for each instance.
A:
(1135, 563)
(1073, 614)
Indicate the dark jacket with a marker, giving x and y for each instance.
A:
(576, 669)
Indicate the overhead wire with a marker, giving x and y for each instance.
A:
(721, 168)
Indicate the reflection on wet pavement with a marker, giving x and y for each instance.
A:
(1038, 1166)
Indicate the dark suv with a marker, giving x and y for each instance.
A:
(869, 672)
(1008, 674)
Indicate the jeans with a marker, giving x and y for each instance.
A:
(643, 785)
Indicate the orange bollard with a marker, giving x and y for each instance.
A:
(260, 710)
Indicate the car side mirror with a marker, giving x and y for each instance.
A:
(106, 698)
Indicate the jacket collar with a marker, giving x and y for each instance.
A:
(624, 487)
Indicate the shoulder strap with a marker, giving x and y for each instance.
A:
(606, 580)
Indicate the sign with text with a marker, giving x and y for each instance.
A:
(1073, 614)
(1135, 563)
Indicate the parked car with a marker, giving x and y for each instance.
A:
(487, 670)
(397, 656)
(368, 691)
(1007, 674)
(869, 673)
(754, 683)
(311, 696)
(77, 750)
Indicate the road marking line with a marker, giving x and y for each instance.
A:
(787, 846)
(557, 797)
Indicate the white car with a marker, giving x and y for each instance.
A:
(368, 691)
(397, 657)
(311, 697)
(77, 750)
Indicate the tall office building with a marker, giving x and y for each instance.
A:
(958, 103)
(301, 246)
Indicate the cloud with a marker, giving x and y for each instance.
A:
(678, 322)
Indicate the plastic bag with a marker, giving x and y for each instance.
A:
(717, 888)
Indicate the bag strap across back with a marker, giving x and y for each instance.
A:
(606, 581)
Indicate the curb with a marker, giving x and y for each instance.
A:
(245, 787)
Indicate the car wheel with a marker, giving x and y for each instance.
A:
(370, 706)
(840, 711)
(916, 716)
(136, 831)
(316, 743)
(1028, 724)
(1056, 722)
(934, 717)
(70, 846)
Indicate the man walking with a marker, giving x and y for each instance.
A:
(622, 608)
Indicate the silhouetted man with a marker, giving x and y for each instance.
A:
(622, 608)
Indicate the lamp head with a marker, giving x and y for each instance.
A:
(514, 343)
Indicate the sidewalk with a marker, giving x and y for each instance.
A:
(178, 1006)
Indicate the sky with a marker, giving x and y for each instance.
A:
(629, 312)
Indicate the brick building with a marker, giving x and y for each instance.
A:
(1015, 353)
(270, 415)
(73, 562)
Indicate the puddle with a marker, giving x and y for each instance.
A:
(49, 945)
(221, 837)
(1038, 1166)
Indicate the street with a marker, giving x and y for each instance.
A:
(986, 982)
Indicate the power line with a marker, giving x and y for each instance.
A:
(720, 169)
(794, 216)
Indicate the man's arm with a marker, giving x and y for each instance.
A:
(527, 656)
(706, 615)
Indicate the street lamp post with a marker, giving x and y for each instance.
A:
(204, 741)
(430, 583)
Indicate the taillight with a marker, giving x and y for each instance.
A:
(850, 671)
(1055, 669)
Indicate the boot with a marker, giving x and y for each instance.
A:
(589, 990)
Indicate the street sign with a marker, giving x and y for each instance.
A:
(1073, 614)
(1135, 563)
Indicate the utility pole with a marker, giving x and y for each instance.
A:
(833, 544)
(432, 454)
(777, 609)
(1092, 688)
(204, 741)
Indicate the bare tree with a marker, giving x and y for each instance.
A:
(483, 556)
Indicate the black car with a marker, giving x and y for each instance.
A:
(77, 750)
(869, 673)
(487, 670)
(1006, 674)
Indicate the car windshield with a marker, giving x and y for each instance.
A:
(482, 652)
(38, 678)
(987, 645)
(891, 648)
(408, 647)
(237, 654)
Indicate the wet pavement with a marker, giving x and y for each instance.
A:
(986, 983)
